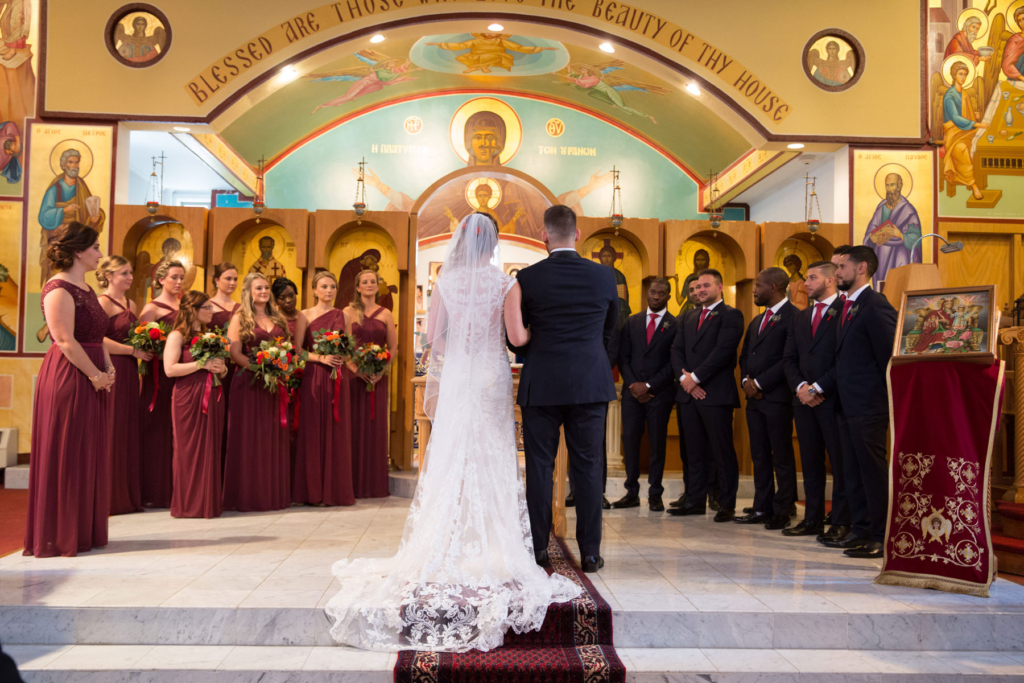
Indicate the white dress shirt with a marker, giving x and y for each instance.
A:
(683, 376)
(768, 314)
(828, 302)
(561, 249)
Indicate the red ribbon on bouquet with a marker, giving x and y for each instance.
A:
(337, 393)
(282, 394)
(373, 402)
(295, 417)
(156, 382)
(206, 392)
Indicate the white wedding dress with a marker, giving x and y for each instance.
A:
(465, 570)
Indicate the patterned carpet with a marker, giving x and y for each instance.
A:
(573, 646)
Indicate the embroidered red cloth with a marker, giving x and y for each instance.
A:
(944, 416)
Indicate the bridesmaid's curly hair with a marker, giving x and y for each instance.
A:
(165, 268)
(188, 313)
(68, 240)
(107, 267)
(247, 313)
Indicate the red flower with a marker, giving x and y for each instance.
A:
(154, 334)
(287, 358)
(195, 340)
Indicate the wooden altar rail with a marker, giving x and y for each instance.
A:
(1011, 342)
(560, 477)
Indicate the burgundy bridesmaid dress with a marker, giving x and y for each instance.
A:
(125, 495)
(69, 479)
(323, 465)
(293, 434)
(221, 319)
(197, 408)
(156, 440)
(370, 419)
(256, 464)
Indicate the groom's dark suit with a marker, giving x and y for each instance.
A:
(571, 306)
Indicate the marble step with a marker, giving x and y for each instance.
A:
(16, 477)
(403, 485)
(226, 664)
(646, 626)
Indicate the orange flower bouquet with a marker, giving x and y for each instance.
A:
(205, 347)
(149, 337)
(372, 359)
(333, 343)
(274, 362)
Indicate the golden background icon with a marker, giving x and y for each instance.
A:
(84, 163)
(948, 63)
(513, 126)
(471, 189)
(908, 179)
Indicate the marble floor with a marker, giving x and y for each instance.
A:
(689, 597)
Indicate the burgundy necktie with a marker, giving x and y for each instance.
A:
(818, 308)
(652, 326)
(847, 305)
(703, 314)
(764, 322)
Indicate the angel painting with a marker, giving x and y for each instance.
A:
(944, 324)
(831, 70)
(935, 527)
(601, 82)
(137, 46)
(378, 70)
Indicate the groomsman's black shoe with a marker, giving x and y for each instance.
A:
(591, 563)
(725, 515)
(850, 540)
(836, 531)
(871, 551)
(654, 504)
(828, 519)
(627, 501)
(713, 501)
(792, 510)
(753, 518)
(688, 510)
(542, 558)
(776, 523)
(570, 500)
(678, 502)
(605, 505)
(747, 511)
(805, 528)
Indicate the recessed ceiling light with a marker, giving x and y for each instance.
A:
(377, 39)
(495, 27)
(795, 145)
(693, 89)
(182, 129)
(607, 47)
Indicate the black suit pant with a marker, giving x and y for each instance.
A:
(817, 430)
(653, 415)
(867, 472)
(584, 436)
(770, 426)
(709, 449)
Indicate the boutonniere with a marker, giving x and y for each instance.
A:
(853, 311)
(774, 319)
(666, 326)
(712, 314)
(830, 313)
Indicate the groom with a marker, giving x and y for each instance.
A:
(571, 306)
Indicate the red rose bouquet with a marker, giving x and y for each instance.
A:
(333, 343)
(149, 337)
(207, 346)
(372, 359)
(274, 362)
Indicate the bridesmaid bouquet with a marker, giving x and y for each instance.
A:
(372, 359)
(149, 337)
(333, 343)
(274, 362)
(205, 347)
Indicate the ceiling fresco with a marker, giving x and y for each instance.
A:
(402, 69)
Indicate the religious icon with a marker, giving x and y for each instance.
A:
(947, 324)
(960, 119)
(515, 205)
(483, 195)
(701, 260)
(488, 50)
(377, 71)
(10, 273)
(794, 256)
(935, 527)
(17, 98)
(514, 268)
(174, 243)
(10, 150)
(486, 132)
(266, 264)
(600, 82)
(831, 61)
(895, 227)
(368, 260)
(140, 38)
(618, 254)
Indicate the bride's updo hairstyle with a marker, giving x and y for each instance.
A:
(476, 240)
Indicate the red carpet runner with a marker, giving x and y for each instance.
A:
(573, 646)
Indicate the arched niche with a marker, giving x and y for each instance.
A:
(174, 232)
(629, 257)
(782, 240)
(235, 235)
(644, 233)
(338, 237)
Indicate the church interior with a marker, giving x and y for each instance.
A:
(353, 136)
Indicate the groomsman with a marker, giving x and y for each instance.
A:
(769, 402)
(867, 327)
(648, 389)
(810, 360)
(703, 358)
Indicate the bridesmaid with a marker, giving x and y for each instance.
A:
(69, 490)
(198, 414)
(157, 434)
(257, 462)
(225, 280)
(285, 296)
(115, 275)
(370, 323)
(323, 466)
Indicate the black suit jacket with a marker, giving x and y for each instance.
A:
(642, 362)
(863, 349)
(710, 353)
(813, 359)
(571, 306)
(761, 357)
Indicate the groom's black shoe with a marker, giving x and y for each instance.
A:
(542, 558)
(591, 563)
(627, 501)
(605, 504)
(570, 500)
(688, 510)
(678, 502)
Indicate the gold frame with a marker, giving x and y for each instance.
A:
(972, 357)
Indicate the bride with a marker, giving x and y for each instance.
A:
(465, 571)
